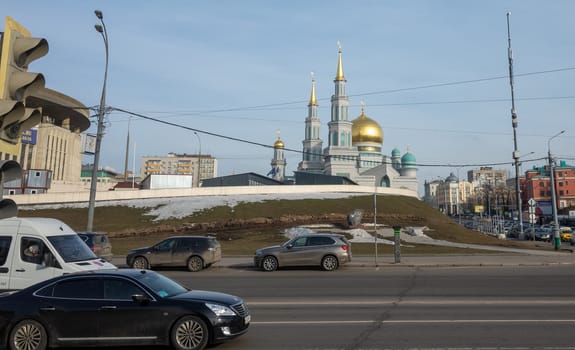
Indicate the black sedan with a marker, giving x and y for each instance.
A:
(124, 307)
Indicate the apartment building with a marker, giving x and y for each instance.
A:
(199, 166)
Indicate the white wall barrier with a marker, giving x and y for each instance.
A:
(24, 200)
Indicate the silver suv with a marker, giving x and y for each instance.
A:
(322, 249)
(193, 252)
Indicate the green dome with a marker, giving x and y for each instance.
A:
(408, 159)
(395, 152)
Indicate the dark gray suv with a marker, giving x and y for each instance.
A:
(326, 250)
(193, 252)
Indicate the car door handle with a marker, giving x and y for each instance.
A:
(108, 307)
(48, 308)
(20, 270)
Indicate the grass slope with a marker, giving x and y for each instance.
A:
(247, 226)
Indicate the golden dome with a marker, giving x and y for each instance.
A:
(279, 144)
(365, 129)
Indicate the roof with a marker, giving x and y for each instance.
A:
(244, 179)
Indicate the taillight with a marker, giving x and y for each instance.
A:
(345, 247)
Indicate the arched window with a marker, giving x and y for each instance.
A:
(384, 181)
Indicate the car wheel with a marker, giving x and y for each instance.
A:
(189, 333)
(195, 263)
(28, 335)
(140, 263)
(270, 263)
(329, 263)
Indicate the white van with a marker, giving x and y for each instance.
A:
(36, 249)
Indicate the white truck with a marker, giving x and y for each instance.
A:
(36, 249)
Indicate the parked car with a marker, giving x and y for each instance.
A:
(328, 251)
(565, 233)
(98, 243)
(122, 307)
(538, 234)
(193, 252)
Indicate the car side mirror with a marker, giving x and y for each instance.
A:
(140, 298)
(289, 246)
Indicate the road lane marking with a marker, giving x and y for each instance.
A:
(364, 302)
(401, 322)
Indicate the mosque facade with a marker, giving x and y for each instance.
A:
(354, 148)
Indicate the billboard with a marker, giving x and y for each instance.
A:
(88, 143)
(29, 136)
(544, 208)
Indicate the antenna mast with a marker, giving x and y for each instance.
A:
(514, 124)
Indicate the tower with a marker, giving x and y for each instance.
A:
(278, 162)
(340, 155)
(396, 158)
(312, 144)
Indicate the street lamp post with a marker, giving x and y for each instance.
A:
(100, 131)
(556, 237)
(199, 159)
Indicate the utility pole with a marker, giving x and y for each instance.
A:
(514, 124)
(556, 236)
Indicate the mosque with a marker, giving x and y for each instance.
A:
(354, 150)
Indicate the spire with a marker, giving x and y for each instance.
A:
(339, 75)
(312, 99)
(363, 109)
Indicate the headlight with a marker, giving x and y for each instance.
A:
(220, 310)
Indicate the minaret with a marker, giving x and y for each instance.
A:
(278, 163)
(312, 144)
(340, 154)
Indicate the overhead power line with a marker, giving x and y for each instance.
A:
(302, 152)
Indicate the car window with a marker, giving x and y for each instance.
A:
(160, 284)
(79, 288)
(32, 250)
(4, 248)
(300, 242)
(165, 245)
(189, 243)
(120, 289)
(71, 248)
(313, 241)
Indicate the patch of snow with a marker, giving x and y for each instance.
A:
(180, 207)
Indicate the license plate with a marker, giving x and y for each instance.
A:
(247, 319)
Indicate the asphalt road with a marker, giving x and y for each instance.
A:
(527, 307)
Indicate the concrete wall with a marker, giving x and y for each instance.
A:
(79, 197)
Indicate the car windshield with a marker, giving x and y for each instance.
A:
(160, 284)
(71, 248)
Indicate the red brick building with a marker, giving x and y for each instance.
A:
(537, 185)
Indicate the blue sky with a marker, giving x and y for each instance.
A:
(210, 65)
